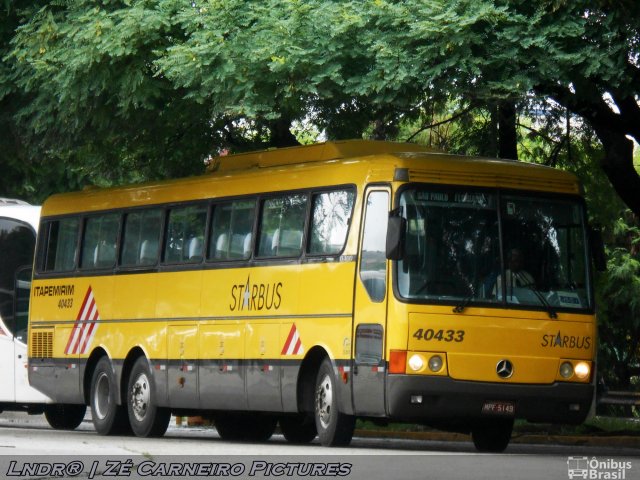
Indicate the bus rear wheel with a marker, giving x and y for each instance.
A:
(492, 435)
(245, 426)
(108, 417)
(65, 417)
(145, 417)
(299, 428)
(334, 427)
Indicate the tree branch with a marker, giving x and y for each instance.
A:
(437, 124)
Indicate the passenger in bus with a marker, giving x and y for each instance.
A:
(516, 276)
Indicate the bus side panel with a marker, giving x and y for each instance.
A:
(182, 366)
(7, 365)
(61, 329)
(326, 300)
(262, 372)
(222, 384)
(178, 301)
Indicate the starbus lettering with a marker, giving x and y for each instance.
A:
(558, 340)
(255, 297)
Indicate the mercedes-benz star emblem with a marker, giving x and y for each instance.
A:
(504, 369)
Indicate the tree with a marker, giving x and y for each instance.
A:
(582, 54)
(355, 60)
(90, 106)
(163, 82)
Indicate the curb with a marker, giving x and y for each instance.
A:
(568, 440)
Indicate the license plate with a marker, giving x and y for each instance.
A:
(507, 409)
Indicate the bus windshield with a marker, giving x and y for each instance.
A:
(482, 246)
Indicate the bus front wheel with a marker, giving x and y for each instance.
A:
(492, 436)
(108, 417)
(145, 417)
(65, 417)
(334, 427)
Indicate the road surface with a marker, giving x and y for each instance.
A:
(28, 444)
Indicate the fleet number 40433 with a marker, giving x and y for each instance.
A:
(439, 335)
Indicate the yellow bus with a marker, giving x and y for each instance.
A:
(310, 286)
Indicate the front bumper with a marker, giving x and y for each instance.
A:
(446, 400)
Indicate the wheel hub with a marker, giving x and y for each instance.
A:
(101, 396)
(140, 397)
(324, 400)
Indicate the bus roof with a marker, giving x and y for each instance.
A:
(330, 163)
(319, 152)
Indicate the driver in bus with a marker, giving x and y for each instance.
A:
(516, 276)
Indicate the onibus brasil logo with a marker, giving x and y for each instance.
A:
(609, 469)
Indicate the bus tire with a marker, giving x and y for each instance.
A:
(64, 417)
(492, 435)
(298, 429)
(245, 426)
(146, 418)
(108, 417)
(334, 427)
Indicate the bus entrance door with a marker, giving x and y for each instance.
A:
(370, 312)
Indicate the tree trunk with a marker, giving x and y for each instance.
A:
(612, 128)
(617, 164)
(281, 135)
(507, 134)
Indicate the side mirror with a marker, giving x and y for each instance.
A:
(396, 228)
(597, 249)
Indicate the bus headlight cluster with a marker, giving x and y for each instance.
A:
(426, 362)
(581, 370)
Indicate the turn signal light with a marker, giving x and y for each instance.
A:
(397, 361)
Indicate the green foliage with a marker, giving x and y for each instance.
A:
(91, 102)
(619, 292)
(165, 83)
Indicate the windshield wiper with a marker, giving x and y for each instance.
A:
(466, 300)
(463, 304)
(550, 311)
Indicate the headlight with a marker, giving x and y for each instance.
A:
(416, 363)
(582, 370)
(566, 370)
(435, 363)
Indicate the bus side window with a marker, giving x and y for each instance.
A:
(231, 227)
(185, 234)
(282, 226)
(99, 241)
(61, 245)
(141, 238)
(330, 217)
(373, 262)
